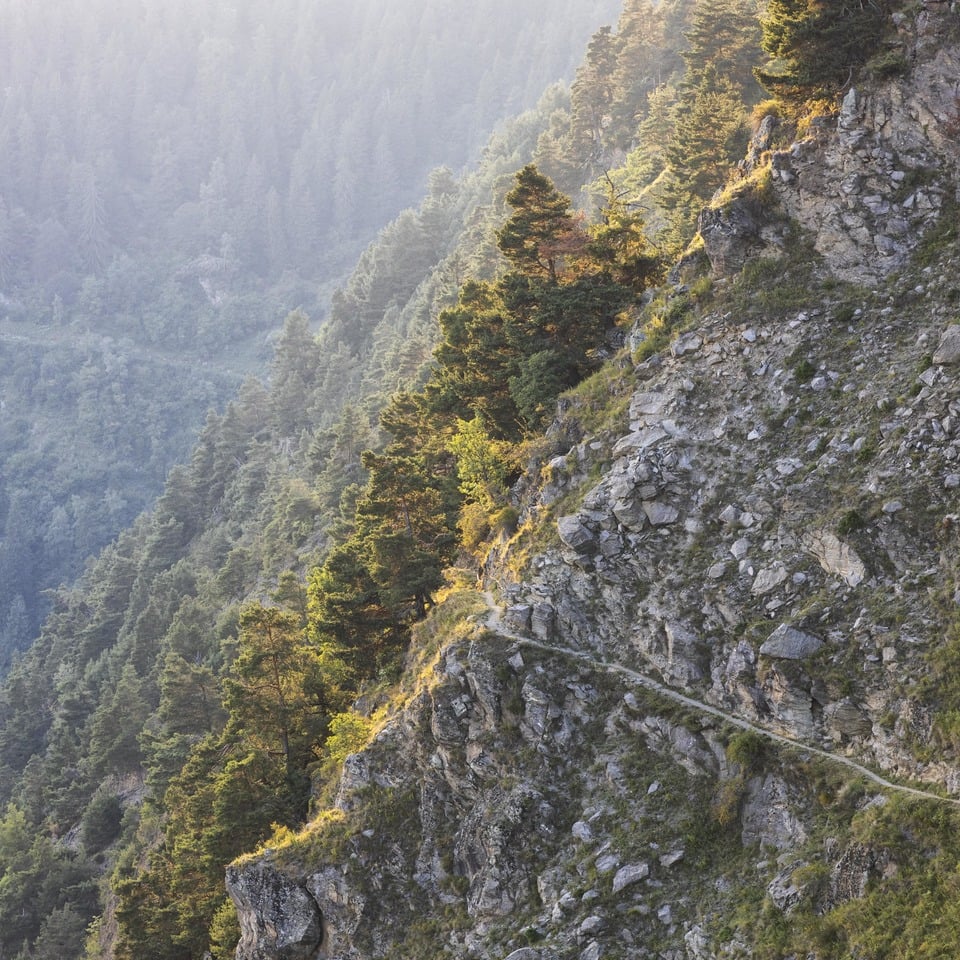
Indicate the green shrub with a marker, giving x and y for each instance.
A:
(349, 732)
(886, 65)
(804, 371)
(850, 522)
(100, 823)
(844, 313)
(474, 525)
(224, 931)
(725, 808)
(748, 749)
(506, 520)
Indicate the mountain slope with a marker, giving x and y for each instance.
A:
(747, 504)
(761, 515)
(130, 667)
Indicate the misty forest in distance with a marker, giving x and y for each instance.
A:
(174, 179)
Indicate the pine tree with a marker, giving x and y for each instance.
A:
(88, 216)
(475, 360)
(62, 929)
(724, 38)
(710, 133)
(268, 690)
(709, 123)
(619, 245)
(293, 375)
(641, 67)
(355, 633)
(542, 234)
(592, 95)
(114, 747)
(656, 132)
(483, 464)
(403, 525)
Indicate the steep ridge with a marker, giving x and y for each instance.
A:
(173, 181)
(511, 798)
(737, 537)
(865, 182)
(745, 542)
(750, 540)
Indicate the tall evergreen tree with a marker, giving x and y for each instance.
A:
(269, 692)
(406, 535)
(640, 68)
(723, 40)
(353, 629)
(475, 360)
(542, 234)
(592, 95)
(710, 121)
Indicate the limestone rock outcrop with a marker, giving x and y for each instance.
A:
(865, 183)
(279, 919)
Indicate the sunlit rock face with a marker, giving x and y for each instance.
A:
(865, 184)
(279, 919)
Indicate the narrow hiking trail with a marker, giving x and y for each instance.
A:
(495, 623)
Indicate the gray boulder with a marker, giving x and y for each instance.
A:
(788, 643)
(279, 919)
(949, 349)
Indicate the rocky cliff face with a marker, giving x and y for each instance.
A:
(771, 528)
(769, 533)
(534, 796)
(866, 184)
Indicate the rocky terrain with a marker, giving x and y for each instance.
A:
(722, 610)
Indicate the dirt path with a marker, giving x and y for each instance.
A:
(495, 623)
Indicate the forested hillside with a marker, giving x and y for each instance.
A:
(193, 697)
(176, 177)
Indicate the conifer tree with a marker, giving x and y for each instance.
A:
(403, 526)
(293, 373)
(710, 121)
(353, 630)
(640, 68)
(724, 46)
(114, 746)
(619, 245)
(475, 360)
(268, 693)
(814, 46)
(482, 463)
(592, 95)
(541, 234)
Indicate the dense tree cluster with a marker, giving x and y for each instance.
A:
(814, 47)
(620, 72)
(129, 677)
(224, 705)
(510, 346)
(661, 108)
(89, 429)
(253, 137)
